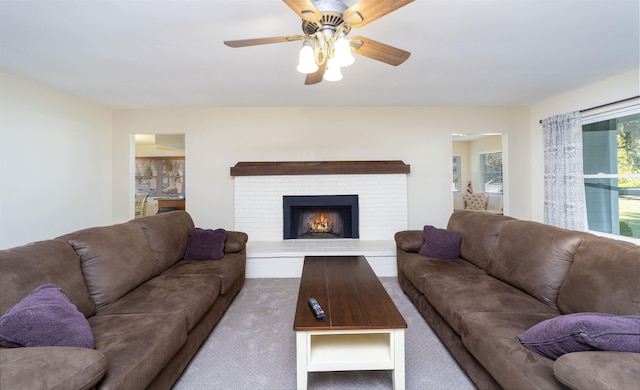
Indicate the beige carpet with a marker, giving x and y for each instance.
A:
(253, 347)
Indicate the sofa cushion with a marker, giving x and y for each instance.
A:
(598, 370)
(479, 234)
(55, 368)
(440, 243)
(115, 260)
(205, 244)
(453, 296)
(228, 269)
(192, 295)
(534, 257)
(44, 318)
(604, 277)
(491, 337)
(235, 241)
(168, 234)
(416, 268)
(26, 267)
(583, 332)
(137, 346)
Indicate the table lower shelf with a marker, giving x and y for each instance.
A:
(334, 350)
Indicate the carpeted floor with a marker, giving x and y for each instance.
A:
(253, 347)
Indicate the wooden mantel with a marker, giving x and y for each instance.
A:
(319, 168)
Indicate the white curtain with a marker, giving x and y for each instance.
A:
(564, 196)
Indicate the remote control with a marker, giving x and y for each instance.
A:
(317, 309)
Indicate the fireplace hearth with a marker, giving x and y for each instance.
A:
(320, 216)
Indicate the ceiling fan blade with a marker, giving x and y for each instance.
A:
(316, 77)
(379, 51)
(366, 11)
(305, 9)
(263, 41)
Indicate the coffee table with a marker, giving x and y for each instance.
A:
(363, 329)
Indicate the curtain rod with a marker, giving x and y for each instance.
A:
(607, 104)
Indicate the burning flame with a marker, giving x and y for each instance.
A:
(320, 224)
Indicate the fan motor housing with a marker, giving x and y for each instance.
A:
(332, 11)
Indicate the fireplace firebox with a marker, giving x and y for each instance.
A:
(320, 216)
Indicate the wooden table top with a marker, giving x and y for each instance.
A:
(350, 293)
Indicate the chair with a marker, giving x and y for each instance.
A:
(475, 201)
(141, 201)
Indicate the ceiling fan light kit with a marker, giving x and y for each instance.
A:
(332, 73)
(307, 59)
(326, 47)
(342, 51)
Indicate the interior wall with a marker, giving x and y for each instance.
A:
(55, 162)
(63, 169)
(218, 138)
(146, 150)
(461, 148)
(623, 86)
(487, 144)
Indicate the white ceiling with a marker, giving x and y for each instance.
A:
(169, 53)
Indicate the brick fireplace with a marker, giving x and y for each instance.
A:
(259, 193)
(381, 190)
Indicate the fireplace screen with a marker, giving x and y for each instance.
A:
(321, 216)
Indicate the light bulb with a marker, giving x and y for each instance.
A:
(307, 59)
(342, 50)
(333, 71)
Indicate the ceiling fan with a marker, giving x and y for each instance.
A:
(326, 25)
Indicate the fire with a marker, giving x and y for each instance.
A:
(320, 224)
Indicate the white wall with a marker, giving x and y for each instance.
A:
(610, 90)
(55, 162)
(64, 165)
(218, 138)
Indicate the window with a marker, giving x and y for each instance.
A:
(611, 158)
(491, 172)
(160, 176)
(457, 176)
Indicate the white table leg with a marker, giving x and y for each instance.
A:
(398, 360)
(301, 357)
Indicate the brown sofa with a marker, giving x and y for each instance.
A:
(149, 309)
(511, 275)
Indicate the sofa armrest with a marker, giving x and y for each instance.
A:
(598, 370)
(409, 240)
(51, 368)
(235, 242)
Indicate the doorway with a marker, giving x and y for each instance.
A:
(479, 166)
(160, 174)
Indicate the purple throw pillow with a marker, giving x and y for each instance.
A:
(440, 243)
(45, 318)
(583, 332)
(205, 244)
